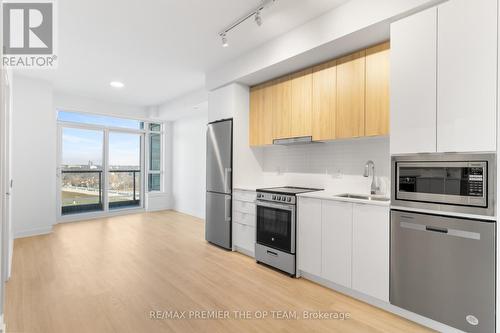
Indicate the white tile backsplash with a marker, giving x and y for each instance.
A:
(337, 165)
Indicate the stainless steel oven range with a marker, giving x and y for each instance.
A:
(443, 223)
(276, 226)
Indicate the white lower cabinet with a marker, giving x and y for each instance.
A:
(336, 242)
(345, 243)
(309, 235)
(370, 250)
(244, 221)
(244, 238)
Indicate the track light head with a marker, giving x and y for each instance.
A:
(224, 40)
(258, 18)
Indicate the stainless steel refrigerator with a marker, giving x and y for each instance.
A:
(219, 183)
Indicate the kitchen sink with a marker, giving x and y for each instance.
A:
(362, 197)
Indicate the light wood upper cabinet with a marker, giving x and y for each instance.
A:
(324, 101)
(377, 90)
(342, 98)
(282, 108)
(350, 117)
(301, 115)
(261, 102)
(256, 106)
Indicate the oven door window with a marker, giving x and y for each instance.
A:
(274, 228)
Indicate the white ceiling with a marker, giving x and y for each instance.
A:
(160, 49)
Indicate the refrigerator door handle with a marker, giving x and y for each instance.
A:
(227, 207)
(227, 179)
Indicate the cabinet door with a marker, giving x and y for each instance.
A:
(309, 235)
(244, 238)
(467, 76)
(266, 119)
(370, 250)
(301, 116)
(282, 109)
(377, 90)
(350, 118)
(256, 106)
(413, 83)
(324, 101)
(261, 105)
(336, 242)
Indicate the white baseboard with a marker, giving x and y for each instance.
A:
(32, 232)
(380, 304)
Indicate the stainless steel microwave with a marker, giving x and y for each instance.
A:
(453, 182)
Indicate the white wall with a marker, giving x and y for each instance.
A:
(33, 157)
(70, 102)
(188, 105)
(188, 165)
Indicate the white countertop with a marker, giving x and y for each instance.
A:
(331, 195)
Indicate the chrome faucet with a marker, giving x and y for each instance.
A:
(370, 171)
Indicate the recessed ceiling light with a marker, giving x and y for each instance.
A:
(117, 84)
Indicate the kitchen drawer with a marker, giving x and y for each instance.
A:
(244, 207)
(248, 196)
(244, 237)
(244, 218)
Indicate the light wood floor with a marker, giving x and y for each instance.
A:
(107, 275)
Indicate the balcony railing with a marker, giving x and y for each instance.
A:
(82, 190)
(124, 192)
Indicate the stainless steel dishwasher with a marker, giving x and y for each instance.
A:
(443, 231)
(444, 268)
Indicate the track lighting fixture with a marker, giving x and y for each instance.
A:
(255, 13)
(258, 18)
(224, 40)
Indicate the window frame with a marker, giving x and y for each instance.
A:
(161, 171)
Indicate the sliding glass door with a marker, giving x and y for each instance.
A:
(81, 170)
(100, 169)
(124, 171)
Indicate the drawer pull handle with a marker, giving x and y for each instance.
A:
(272, 253)
(435, 229)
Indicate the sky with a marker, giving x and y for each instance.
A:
(79, 146)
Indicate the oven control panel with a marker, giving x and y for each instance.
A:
(275, 197)
(475, 182)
